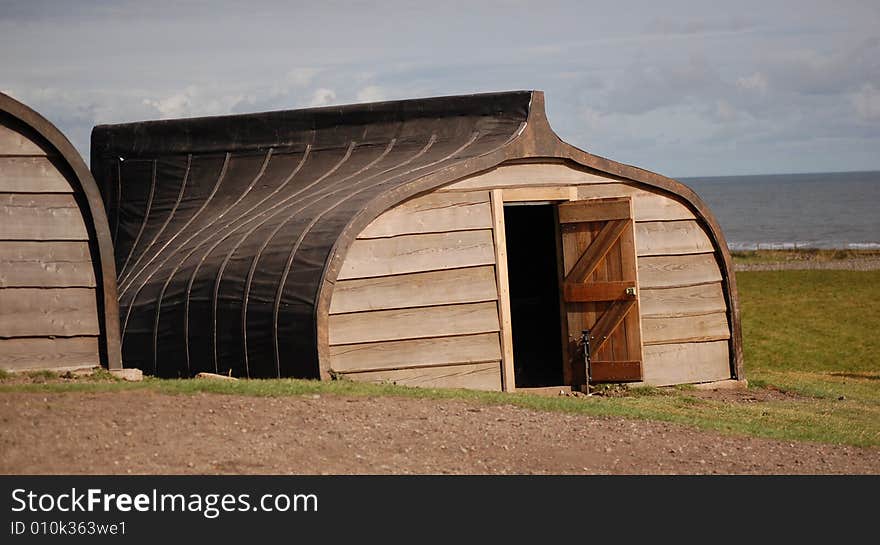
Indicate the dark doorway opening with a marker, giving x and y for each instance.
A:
(532, 265)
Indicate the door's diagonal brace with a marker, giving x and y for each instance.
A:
(597, 250)
(608, 322)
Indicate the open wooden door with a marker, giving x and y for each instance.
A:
(600, 291)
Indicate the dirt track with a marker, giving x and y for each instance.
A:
(146, 432)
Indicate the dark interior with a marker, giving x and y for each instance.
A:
(534, 294)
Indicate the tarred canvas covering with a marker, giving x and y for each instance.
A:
(223, 226)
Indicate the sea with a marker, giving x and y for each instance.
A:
(838, 210)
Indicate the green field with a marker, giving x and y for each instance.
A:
(816, 333)
(813, 334)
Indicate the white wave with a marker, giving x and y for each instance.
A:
(863, 245)
(803, 245)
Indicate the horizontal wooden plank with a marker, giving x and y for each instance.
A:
(687, 301)
(685, 363)
(678, 329)
(476, 376)
(416, 253)
(415, 353)
(469, 285)
(526, 194)
(595, 210)
(31, 175)
(533, 174)
(52, 264)
(647, 205)
(676, 271)
(34, 312)
(44, 353)
(598, 291)
(671, 238)
(40, 217)
(434, 213)
(413, 323)
(13, 142)
(615, 371)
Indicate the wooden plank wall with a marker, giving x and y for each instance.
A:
(48, 302)
(416, 301)
(684, 313)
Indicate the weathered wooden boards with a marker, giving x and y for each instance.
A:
(434, 351)
(45, 216)
(433, 213)
(686, 301)
(417, 253)
(48, 302)
(478, 376)
(695, 328)
(687, 362)
(34, 312)
(671, 238)
(526, 175)
(46, 264)
(680, 282)
(48, 353)
(31, 175)
(14, 142)
(413, 323)
(421, 289)
(416, 300)
(678, 271)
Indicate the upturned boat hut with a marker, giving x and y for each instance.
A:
(452, 241)
(58, 306)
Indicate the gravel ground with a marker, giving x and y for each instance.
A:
(148, 432)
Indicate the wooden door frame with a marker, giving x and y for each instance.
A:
(498, 197)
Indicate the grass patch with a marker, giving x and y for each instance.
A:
(811, 333)
(813, 419)
(816, 321)
(41, 375)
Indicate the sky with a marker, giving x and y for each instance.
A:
(681, 88)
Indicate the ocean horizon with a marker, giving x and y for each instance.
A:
(822, 210)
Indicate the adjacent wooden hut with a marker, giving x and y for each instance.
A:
(452, 241)
(58, 304)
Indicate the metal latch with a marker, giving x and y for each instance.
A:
(585, 340)
(631, 292)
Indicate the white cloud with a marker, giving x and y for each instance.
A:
(193, 101)
(300, 77)
(322, 97)
(372, 93)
